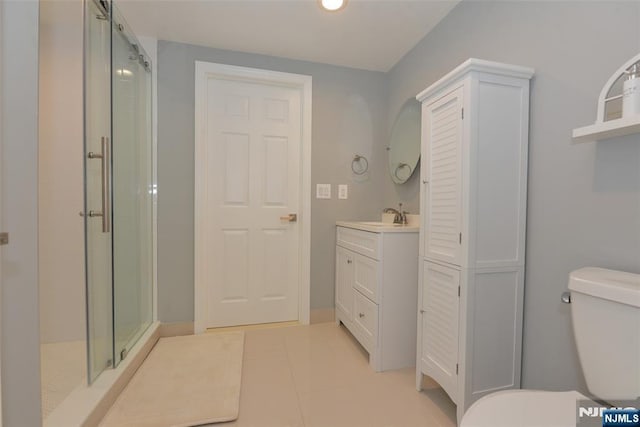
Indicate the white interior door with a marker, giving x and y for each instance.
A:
(1, 344)
(1, 223)
(252, 139)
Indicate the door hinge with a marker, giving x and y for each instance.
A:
(458, 291)
(460, 238)
(456, 369)
(462, 114)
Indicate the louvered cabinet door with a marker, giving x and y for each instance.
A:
(440, 303)
(442, 186)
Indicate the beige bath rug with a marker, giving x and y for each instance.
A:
(185, 381)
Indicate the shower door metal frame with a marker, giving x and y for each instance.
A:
(102, 13)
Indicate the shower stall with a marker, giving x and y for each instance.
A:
(119, 187)
(97, 194)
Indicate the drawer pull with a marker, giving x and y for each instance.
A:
(361, 315)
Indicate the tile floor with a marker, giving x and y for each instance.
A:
(319, 375)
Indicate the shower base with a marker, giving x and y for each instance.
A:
(87, 405)
(63, 369)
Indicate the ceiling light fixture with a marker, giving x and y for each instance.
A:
(332, 5)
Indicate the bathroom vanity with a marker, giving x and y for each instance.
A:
(377, 289)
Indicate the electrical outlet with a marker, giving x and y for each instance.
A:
(343, 191)
(323, 191)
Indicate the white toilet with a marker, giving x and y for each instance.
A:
(605, 309)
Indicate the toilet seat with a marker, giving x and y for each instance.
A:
(524, 408)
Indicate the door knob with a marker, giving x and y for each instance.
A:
(290, 218)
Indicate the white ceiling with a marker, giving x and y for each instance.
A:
(367, 34)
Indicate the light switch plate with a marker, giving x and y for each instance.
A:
(323, 191)
(343, 191)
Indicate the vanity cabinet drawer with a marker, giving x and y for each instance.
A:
(367, 276)
(365, 319)
(362, 242)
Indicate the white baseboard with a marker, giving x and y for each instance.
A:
(176, 329)
(323, 315)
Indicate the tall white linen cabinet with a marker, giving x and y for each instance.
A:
(475, 125)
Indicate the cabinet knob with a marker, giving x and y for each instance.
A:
(361, 315)
(349, 261)
(421, 311)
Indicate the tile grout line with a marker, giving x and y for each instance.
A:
(293, 380)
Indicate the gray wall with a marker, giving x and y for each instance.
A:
(349, 116)
(19, 181)
(584, 200)
(60, 173)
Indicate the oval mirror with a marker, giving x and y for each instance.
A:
(404, 147)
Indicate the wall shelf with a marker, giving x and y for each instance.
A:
(606, 130)
(610, 117)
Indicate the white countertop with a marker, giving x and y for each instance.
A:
(379, 227)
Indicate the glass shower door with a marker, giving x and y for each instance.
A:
(118, 187)
(132, 189)
(97, 168)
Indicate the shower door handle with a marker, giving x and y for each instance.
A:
(105, 158)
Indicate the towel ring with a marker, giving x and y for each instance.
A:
(358, 159)
(399, 168)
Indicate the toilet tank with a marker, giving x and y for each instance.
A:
(605, 308)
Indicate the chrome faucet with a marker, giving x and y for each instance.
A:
(400, 216)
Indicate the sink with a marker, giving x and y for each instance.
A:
(380, 224)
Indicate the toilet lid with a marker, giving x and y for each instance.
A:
(524, 408)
